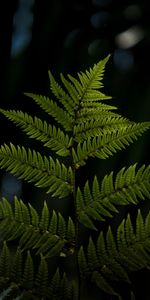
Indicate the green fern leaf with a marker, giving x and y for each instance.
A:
(16, 269)
(129, 232)
(31, 166)
(88, 113)
(101, 107)
(42, 278)
(109, 143)
(34, 216)
(61, 95)
(21, 212)
(102, 283)
(99, 203)
(98, 127)
(52, 138)
(44, 221)
(5, 209)
(115, 260)
(29, 239)
(53, 223)
(70, 234)
(83, 265)
(46, 234)
(91, 255)
(61, 288)
(91, 82)
(46, 243)
(74, 93)
(61, 226)
(26, 236)
(5, 261)
(54, 285)
(27, 280)
(24, 281)
(50, 107)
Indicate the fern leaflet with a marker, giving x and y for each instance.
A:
(50, 107)
(32, 167)
(108, 144)
(126, 188)
(98, 127)
(116, 260)
(32, 282)
(52, 138)
(40, 234)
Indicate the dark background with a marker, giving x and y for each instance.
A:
(69, 36)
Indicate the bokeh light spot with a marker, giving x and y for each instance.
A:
(22, 23)
(10, 186)
(100, 19)
(130, 37)
(123, 59)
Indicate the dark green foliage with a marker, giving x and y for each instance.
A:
(47, 234)
(21, 278)
(100, 202)
(113, 260)
(38, 248)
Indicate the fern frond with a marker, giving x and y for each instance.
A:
(17, 266)
(35, 128)
(61, 95)
(128, 187)
(102, 283)
(33, 231)
(109, 143)
(42, 277)
(74, 93)
(50, 107)
(87, 106)
(94, 113)
(98, 127)
(30, 281)
(5, 261)
(32, 167)
(60, 287)
(28, 275)
(91, 82)
(116, 260)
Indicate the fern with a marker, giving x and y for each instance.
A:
(38, 248)
(115, 260)
(108, 143)
(99, 203)
(29, 283)
(32, 167)
(45, 234)
(52, 138)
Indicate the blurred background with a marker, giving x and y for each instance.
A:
(69, 36)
